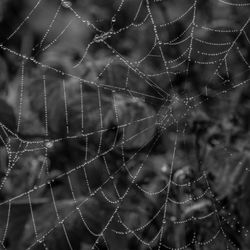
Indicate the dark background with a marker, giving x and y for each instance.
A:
(124, 127)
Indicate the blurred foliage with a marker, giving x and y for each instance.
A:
(212, 138)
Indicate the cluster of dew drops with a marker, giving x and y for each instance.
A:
(66, 4)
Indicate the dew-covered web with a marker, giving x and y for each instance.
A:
(126, 114)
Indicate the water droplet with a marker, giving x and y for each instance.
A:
(164, 168)
(113, 20)
(49, 144)
(66, 4)
(160, 42)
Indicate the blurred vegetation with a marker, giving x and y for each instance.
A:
(197, 134)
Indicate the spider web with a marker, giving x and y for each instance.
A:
(206, 49)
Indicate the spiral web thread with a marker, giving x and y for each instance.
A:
(218, 60)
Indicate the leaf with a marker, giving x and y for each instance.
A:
(19, 214)
(138, 119)
(95, 214)
(228, 168)
(92, 112)
(120, 75)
